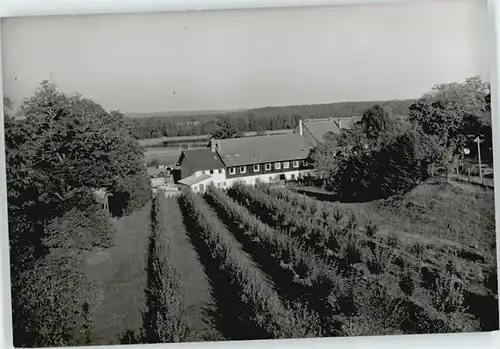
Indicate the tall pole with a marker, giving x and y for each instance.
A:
(478, 141)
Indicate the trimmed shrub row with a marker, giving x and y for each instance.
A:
(261, 302)
(318, 282)
(164, 320)
(318, 230)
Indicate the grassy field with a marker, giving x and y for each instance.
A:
(163, 155)
(120, 275)
(193, 280)
(439, 213)
(452, 222)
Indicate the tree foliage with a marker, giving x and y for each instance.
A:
(377, 121)
(224, 129)
(394, 168)
(58, 152)
(62, 148)
(51, 299)
(452, 110)
(382, 155)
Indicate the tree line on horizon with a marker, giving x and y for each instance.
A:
(252, 120)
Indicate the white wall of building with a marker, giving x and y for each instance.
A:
(265, 178)
(218, 178)
(156, 182)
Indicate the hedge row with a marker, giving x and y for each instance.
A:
(164, 320)
(326, 234)
(318, 281)
(261, 302)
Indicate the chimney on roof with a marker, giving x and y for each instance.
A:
(213, 144)
(300, 128)
(218, 145)
(340, 123)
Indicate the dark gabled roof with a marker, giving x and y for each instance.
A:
(347, 122)
(262, 149)
(316, 129)
(202, 159)
(320, 127)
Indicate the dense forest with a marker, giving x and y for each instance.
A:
(254, 120)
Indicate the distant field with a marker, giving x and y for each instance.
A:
(167, 114)
(153, 141)
(163, 155)
(121, 277)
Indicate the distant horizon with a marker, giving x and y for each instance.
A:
(208, 112)
(189, 112)
(248, 59)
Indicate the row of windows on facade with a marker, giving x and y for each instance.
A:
(267, 167)
(256, 168)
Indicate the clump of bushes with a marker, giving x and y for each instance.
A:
(54, 301)
(447, 295)
(80, 229)
(379, 258)
(408, 281)
(337, 215)
(393, 240)
(130, 193)
(371, 229)
(351, 251)
(418, 249)
(491, 279)
(382, 309)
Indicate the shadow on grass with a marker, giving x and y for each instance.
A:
(230, 316)
(131, 337)
(485, 308)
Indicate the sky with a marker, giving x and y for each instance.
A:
(220, 60)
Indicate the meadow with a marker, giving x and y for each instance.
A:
(266, 262)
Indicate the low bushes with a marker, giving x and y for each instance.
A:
(299, 268)
(81, 229)
(261, 305)
(53, 302)
(164, 320)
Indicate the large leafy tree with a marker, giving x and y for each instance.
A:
(68, 145)
(57, 152)
(225, 128)
(395, 167)
(452, 111)
(377, 128)
(60, 150)
(377, 121)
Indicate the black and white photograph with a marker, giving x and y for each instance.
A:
(235, 175)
